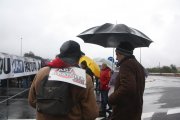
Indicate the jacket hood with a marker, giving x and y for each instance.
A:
(58, 63)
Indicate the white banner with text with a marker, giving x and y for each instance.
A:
(72, 75)
(12, 66)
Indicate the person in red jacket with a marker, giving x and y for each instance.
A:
(104, 87)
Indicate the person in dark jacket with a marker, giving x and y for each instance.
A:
(127, 98)
(86, 108)
(88, 70)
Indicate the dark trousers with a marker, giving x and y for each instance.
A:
(104, 100)
(97, 83)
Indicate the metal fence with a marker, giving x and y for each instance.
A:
(13, 98)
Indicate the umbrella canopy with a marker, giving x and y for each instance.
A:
(91, 64)
(100, 61)
(111, 35)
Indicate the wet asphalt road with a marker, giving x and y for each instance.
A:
(162, 95)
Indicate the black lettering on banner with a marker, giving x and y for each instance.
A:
(1, 65)
(7, 65)
(33, 66)
(30, 66)
(27, 66)
(39, 65)
(18, 66)
(10, 64)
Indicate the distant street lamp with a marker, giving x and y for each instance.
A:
(140, 55)
(21, 46)
(159, 68)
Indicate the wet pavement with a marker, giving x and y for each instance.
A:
(16, 108)
(161, 93)
(161, 96)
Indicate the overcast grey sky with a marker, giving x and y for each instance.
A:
(45, 24)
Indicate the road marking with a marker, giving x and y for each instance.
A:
(144, 115)
(173, 111)
(147, 115)
(21, 119)
(99, 118)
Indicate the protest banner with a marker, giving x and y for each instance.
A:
(12, 66)
(72, 75)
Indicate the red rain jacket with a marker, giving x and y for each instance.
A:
(105, 76)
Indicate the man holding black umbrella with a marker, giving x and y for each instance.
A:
(127, 98)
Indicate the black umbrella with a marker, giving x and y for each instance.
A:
(111, 35)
